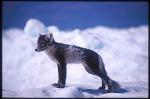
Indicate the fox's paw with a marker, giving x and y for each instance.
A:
(101, 88)
(58, 85)
(109, 90)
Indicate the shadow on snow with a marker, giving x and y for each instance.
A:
(102, 91)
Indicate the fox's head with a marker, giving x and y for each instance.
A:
(44, 41)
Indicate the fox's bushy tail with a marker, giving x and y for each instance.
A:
(115, 84)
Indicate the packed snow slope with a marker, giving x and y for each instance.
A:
(26, 73)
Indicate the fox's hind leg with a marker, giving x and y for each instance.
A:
(95, 66)
(107, 80)
(92, 66)
(96, 72)
(102, 74)
(103, 84)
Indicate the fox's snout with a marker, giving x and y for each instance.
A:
(37, 50)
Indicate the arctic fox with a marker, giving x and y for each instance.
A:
(63, 54)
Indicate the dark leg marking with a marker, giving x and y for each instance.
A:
(103, 84)
(61, 76)
(107, 80)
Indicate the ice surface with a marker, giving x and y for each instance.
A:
(26, 72)
(129, 90)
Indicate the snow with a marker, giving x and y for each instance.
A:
(26, 73)
(34, 27)
(129, 90)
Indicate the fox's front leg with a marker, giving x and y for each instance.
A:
(61, 75)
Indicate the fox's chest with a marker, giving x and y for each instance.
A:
(51, 54)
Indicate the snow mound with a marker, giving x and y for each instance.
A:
(130, 90)
(49, 91)
(34, 27)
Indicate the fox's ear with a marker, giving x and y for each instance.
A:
(50, 37)
(40, 34)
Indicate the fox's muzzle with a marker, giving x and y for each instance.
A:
(37, 50)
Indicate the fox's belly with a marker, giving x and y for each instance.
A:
(74, 59)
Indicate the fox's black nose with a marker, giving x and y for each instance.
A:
(35, 49)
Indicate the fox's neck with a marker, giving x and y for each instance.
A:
(52, 46)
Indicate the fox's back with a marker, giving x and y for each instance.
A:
(74, 54)
(70, 53)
